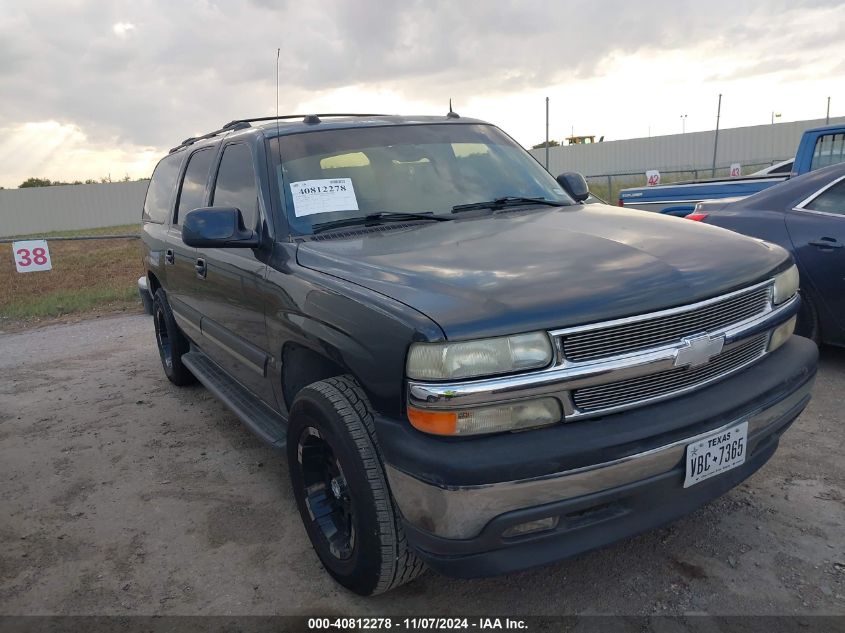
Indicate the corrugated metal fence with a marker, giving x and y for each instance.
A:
(70, 207)
(683, 152)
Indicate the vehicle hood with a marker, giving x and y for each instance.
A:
(542, 269)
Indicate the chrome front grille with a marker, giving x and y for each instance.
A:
(654, 386)
(608, 367)
(650, 332)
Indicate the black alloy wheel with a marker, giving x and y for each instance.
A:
(341, 489)
(327, 495)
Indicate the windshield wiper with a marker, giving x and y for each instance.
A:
(373, 219)
(506, 201)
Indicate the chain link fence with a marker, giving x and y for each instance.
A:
(607, 186)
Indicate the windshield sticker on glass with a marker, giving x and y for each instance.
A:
(323, 196)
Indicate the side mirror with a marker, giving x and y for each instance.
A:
(217, 227)
(575, 185)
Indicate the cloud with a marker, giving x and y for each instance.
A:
(201, 63)
(61, 151)
(122, 29)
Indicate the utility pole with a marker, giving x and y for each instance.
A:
(827, 116)
(683, 124)
(775, 115)
(716, 139)
(547, 134)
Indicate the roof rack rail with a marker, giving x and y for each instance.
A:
(240, 124)
(229, 127)
(300, 116)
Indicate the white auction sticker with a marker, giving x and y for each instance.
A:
(31, 256)
(323, 196)
(652, 177)
(736, 170)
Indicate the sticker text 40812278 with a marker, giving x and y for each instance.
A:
(323, 189)
(323, 195)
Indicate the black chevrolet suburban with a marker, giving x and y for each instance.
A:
(468, 368)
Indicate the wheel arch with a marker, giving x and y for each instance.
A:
(153, 282)
(302, 366)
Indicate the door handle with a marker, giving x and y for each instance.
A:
(826, 243)
(169, 257)
(201, 268)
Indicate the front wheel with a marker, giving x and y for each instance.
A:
(341, 491)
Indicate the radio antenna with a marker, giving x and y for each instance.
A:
(278, 51)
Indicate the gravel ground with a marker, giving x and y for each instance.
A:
(122, 494)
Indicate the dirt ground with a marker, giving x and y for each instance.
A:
(122, 494)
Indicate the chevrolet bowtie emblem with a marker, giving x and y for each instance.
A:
(697, 350)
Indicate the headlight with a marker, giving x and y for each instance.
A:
(782, 333)
(484, 357)
(786, 285)
(516, 416)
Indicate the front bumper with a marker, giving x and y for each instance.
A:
(458, 527)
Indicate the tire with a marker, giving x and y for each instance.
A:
(172, 344)
(341, 491)
(808, 320)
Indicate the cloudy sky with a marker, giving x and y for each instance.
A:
(90, 88)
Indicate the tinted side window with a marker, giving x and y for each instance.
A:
(831, 201)
(192, 193)
(829, 150)
(235, 186)
(160, 191)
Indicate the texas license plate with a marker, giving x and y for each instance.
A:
(716, 453)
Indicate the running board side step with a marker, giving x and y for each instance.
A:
(261, 420)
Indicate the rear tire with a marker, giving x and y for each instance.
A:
(171, 342)
(341, 491)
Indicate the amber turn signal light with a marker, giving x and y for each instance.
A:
(436, 422)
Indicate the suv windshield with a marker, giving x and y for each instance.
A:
(336, 174)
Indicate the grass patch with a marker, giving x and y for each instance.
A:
(120, 229)
(63, 302)
(87, 276)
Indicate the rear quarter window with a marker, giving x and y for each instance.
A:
(832, 200)
(159, 200)
(829, 150)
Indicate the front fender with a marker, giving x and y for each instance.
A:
(361, 331)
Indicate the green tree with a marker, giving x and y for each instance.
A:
(552, 143)
(35, 182)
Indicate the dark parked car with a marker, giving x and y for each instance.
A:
(467, 367)
(805, 215)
